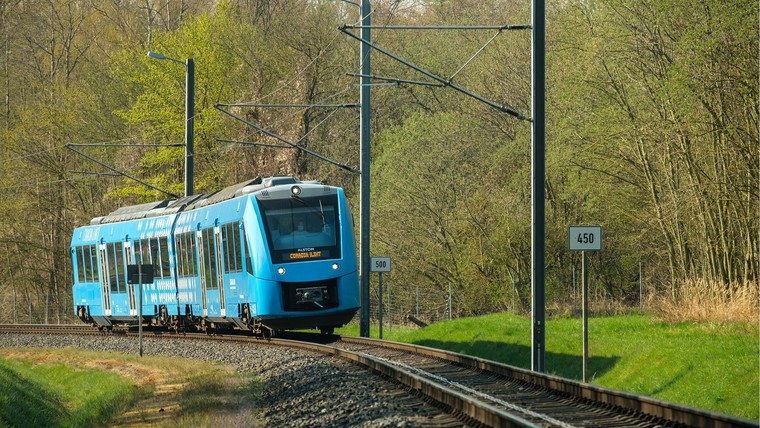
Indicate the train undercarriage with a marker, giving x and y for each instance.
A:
(158, 318)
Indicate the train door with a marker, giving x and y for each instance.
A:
(211, 271)
(104, 280)
(130, 287)
(202, 271)
(219, 270)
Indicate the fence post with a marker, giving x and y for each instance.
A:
(449, 300)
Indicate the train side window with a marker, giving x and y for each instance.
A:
(180, 254)
(138, 251)
(145, 251)
(120, 269)
(248, 267)
(235, 232)
(92, 266)
(88, 261)
(79, 258)
(86, 271)
(231, 247)
(165, 266)
(155, 257)
(186, 259)
(192, 253)
(114, 253)
(229, 260)
(209, 259)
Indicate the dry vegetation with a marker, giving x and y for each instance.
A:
(709, 301)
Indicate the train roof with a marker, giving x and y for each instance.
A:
(187, 203)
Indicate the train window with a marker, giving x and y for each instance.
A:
(116, 267)
(248, 267)
(165, 266)
(122, 283)
(192, 253)
(87, 259)
(91, 256)
(145, 251)
(231, 246)
(138, 251)
(186, 258)
(155, 257)
(209, 259)
(79, 258)
(302, 229)
(180, 254)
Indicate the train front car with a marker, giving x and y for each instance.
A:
(305, 266)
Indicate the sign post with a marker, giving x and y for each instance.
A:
(585, 238)
(380, 265)
(140, 274)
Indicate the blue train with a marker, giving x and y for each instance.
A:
(269, 254)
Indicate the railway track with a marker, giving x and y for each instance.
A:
(478, 391)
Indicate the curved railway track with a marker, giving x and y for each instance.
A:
(478, 391)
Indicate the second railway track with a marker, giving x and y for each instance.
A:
(477, 391)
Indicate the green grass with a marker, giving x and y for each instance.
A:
(74, 388)
(59, 395)
(709, 366)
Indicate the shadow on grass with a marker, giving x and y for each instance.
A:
(23, 403)
(563, 365)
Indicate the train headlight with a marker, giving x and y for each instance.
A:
(335, 266)
(295, 190)
(281, 270)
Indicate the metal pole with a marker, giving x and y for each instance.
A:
(380, 303)
(574, 289)
(139, 314)
(584, 285)
(417, 303)
(189, 124)
(449, 300)
(641, 289)
(364, 155)
(390, 311)
(511, 277)
(538, 167)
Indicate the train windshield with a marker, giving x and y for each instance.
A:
(300, 229)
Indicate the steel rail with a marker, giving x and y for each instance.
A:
(670, 411)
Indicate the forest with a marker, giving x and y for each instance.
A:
(651, 133)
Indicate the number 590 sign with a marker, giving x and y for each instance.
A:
(585, 238)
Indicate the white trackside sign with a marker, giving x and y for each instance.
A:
(585, 238)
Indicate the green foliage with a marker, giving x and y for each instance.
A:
(652, 131)
(159, 107)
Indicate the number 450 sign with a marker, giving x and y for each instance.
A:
(585, 238)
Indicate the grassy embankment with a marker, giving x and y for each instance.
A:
(705, 365)
(76, 388)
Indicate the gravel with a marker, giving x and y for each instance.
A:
(301, 389)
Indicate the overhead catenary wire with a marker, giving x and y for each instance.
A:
(482, 48)
(105, 165)
(283, 118)
(500, 107)
(287, 141)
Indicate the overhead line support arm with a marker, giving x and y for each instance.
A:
(443, 27)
